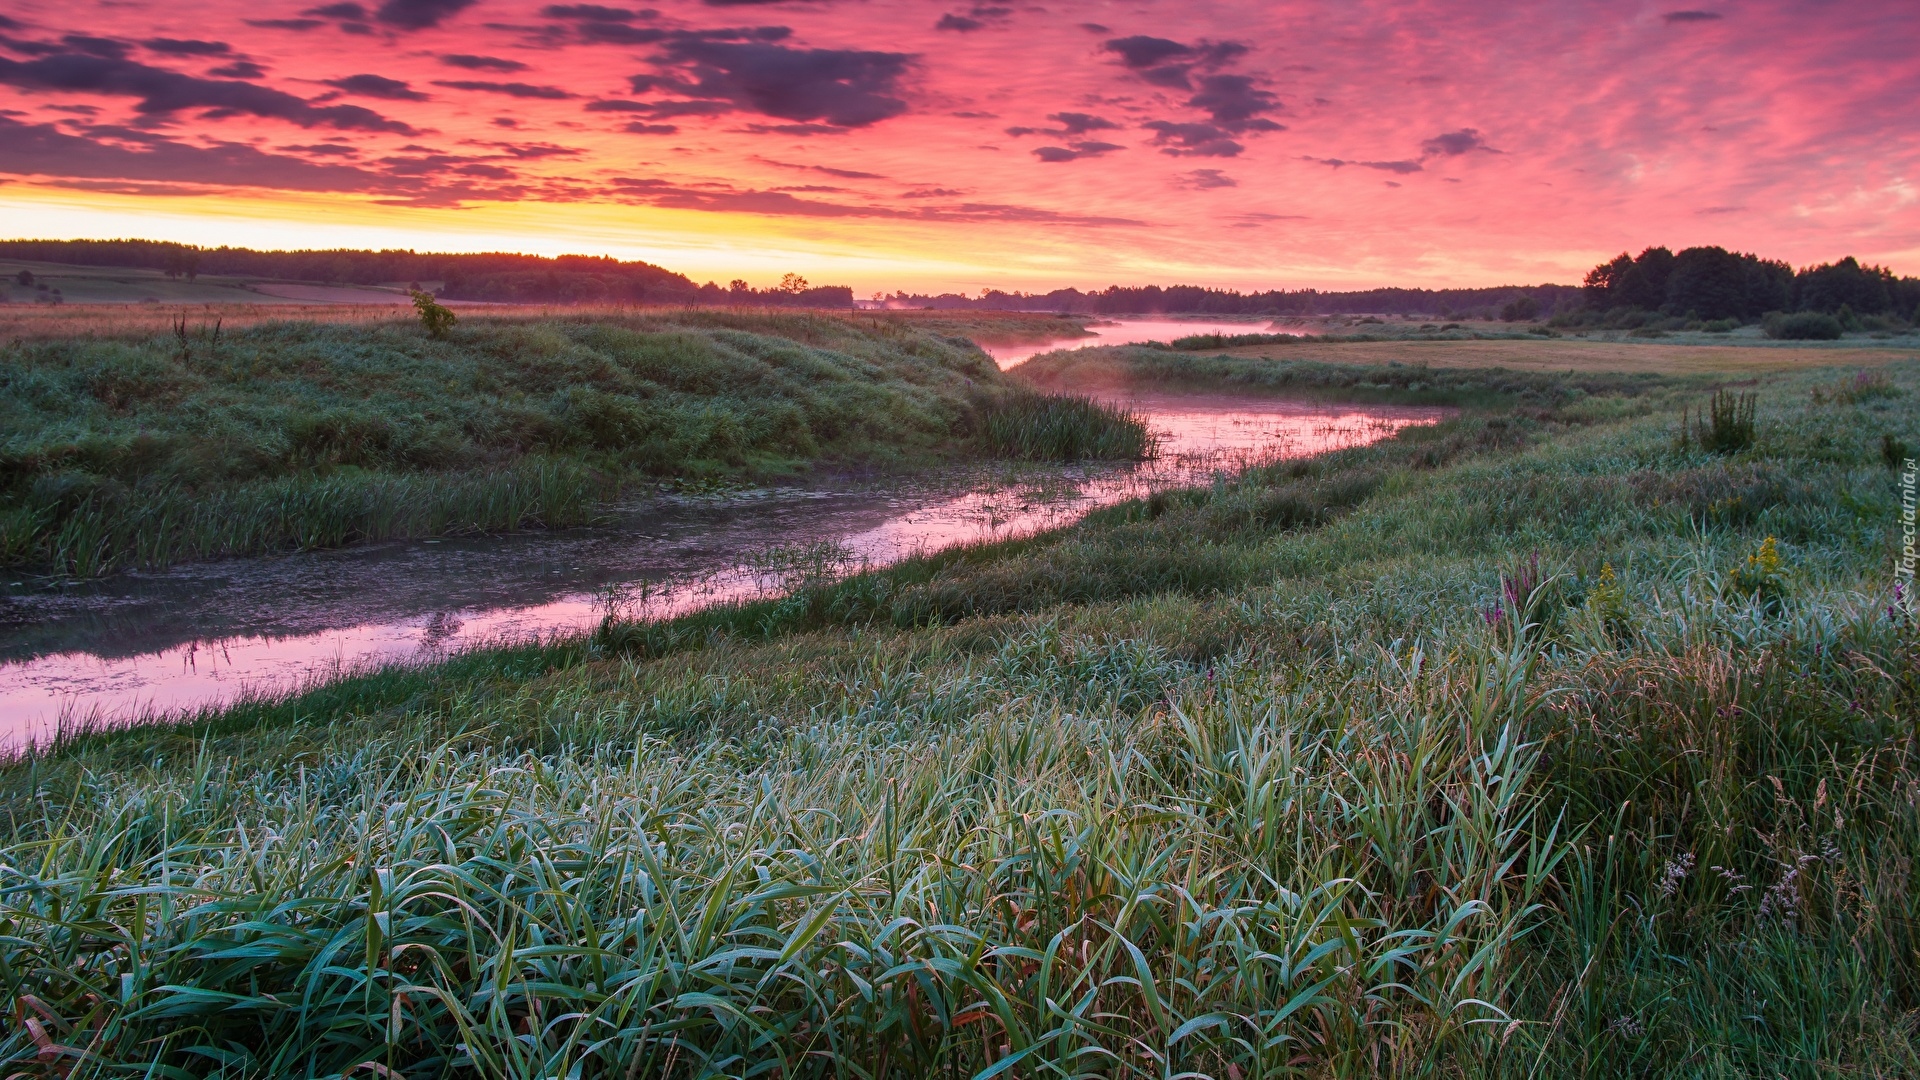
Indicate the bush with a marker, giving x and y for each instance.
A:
(436, 319)
(1802, 326)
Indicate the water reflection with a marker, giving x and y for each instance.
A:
(1126, 332)
(159, 643)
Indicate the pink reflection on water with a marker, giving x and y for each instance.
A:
(1198, 438)
(1123, 332)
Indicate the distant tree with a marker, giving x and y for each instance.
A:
(1519, 309)
(792, 284)
(1645, 286)
(739, 287)
(1866, 289)
(181, 260)
(24, 277)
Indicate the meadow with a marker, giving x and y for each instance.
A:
(126, 444)
(1564, 738)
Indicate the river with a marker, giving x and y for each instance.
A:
(142, 645)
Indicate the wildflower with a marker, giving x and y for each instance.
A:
(1676, 872)
(1781, 902)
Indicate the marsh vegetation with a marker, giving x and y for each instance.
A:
(145, 449)
(1537, 742)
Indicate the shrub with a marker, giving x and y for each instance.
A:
(1802, 326)
(436, 319)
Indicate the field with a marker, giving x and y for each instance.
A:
(122, 285)
(1555, 740)
(126, 444)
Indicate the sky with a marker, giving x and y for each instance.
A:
(921, 145)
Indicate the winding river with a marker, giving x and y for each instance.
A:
(143, 645)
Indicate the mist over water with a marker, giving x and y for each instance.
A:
(1125, 332)
(135, 645)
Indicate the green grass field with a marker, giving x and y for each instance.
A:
(1542, 742)
(142, 449)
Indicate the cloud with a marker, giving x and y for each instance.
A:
(1401, 167)
(660, 110)
(1192, 140)
(511, 89)
(1234, 103)
(642, 128)
(1455, 143)
(979, 17)
(481, 63)
(782, 204)
(419, 14)
(163, 92)
(95, 46)
(1208, 179)
(1690, 16)
(825, 170)
(1168, 63)
(40, 149)
(1075, 151)
(596, 13)
(842, 88)
(239, 69)
(378, 86)
(1095, 28)
(349, 11)
(1077, 123)
(295, 25)
(1071, 124)
(187, 47)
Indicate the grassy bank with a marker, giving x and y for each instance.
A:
(1535, 743)
(144, 449)
(1124, 367)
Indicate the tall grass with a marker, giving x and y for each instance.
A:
(92, 532)
(1483, 768)
(1046, 427)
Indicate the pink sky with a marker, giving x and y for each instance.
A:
(927, 145)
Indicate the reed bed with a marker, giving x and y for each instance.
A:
(1555, 748)
(1050, 427)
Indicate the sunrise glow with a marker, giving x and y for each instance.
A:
(889, 144)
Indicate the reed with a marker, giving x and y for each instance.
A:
(1045, 427)
(1481, 768)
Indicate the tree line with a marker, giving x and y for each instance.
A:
(1714, 283)
(1698, 283)
(1510, 302)
(500, 277)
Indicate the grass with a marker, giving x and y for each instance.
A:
(1121, 367)
(145, 448)
(1529, 744)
